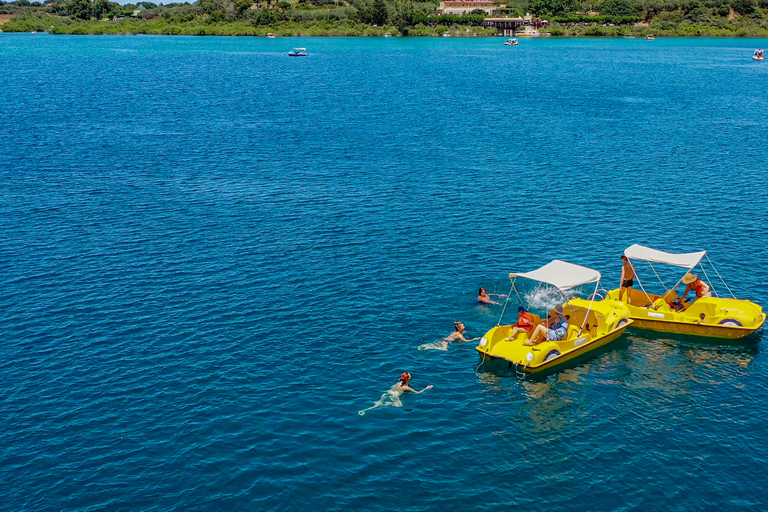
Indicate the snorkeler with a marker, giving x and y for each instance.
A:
(393, 394)
(442, 344)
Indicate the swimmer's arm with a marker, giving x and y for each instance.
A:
(408, 388)
(497, 294)
(462, 338)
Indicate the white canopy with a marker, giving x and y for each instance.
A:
(561, 274)
(686, 260)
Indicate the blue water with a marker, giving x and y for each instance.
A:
(212, 256)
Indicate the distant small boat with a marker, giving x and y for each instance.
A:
(649, 37)
(629, 36)
(271, 36)
(387, 34)
(759, 54)
(511, 42)
(298, 52)
(33, 32)
(446, 34)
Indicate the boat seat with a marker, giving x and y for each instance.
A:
(670, 295)
(640, 299)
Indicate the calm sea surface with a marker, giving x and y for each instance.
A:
(213, 255)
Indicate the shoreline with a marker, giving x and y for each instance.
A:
(347, 28)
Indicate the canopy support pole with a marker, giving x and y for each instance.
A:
(590, 305)
(721, 277)
(657, 276)
(517, 293)
(641, 284)
(711, 286)
(505, 304)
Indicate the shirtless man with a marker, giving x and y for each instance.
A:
(442, 344)
(485, 297)
(627, 279)
(394, 393)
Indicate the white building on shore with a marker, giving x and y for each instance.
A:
(457, 8)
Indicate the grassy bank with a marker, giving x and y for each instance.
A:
(375, 18)
(203, 27)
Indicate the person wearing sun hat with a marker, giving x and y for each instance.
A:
(692, 282)
(554, 328)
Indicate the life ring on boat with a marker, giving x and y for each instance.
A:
(551, 355)
(730, 322)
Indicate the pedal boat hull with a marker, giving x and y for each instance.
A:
(607, 322)
(724, 318)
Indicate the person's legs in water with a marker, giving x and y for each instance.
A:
(394, 401)
(376, 405)
(438, 345)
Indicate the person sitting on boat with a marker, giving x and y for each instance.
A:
(393, 394)
(627, 279)
(524, 323)
(485, 297)
(693, 282)
(554, 328)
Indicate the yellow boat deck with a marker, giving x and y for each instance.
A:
(709, 316)
(603, 324)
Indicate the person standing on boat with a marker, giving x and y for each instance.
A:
(485, 297)
(524, 323)
(627, 279)
(692, 282)
(394, 393)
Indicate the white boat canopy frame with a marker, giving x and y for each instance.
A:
(687, 260)
(562, 275)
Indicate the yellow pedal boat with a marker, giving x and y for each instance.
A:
(716, 317)
(592, 324)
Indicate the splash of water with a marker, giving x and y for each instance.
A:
(546, 298)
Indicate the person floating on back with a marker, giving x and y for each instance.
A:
(627, 279)
(393, 394)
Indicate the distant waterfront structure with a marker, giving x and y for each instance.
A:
(139, 11)
(505, 26)
(457, 8)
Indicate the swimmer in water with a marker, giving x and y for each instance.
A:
(393, 394)
(485, 297)
(442, 344)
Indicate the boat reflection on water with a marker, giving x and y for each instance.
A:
(672, 366)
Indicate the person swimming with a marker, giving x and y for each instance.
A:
(442, 344)
(485, 298)
(394, 393)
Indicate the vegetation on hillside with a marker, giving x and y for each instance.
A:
(377, 17)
